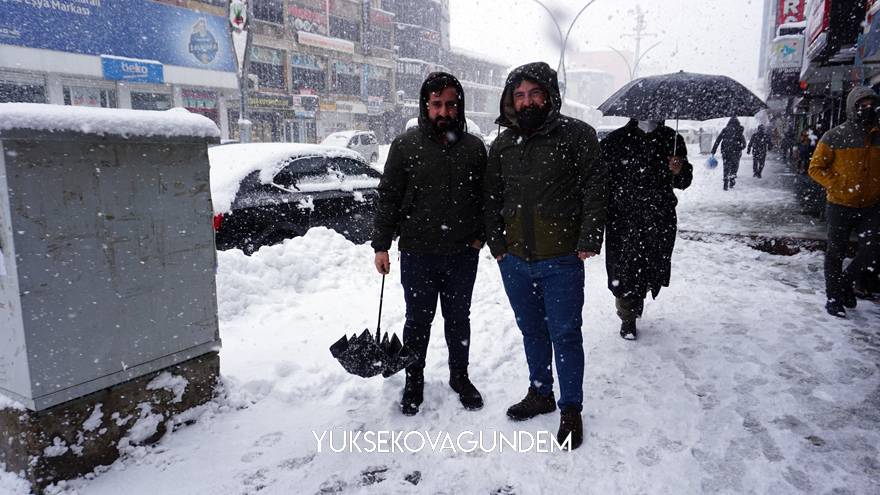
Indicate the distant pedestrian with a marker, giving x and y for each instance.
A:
(806, 145)
(732, 142)
(645, 165)
(847, 164)
(758, 146)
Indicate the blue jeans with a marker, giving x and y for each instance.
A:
(425, 277)
(547, 298)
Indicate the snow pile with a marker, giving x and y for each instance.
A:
(9, 403)
(233, 162)
(145, 427)
(94, 421)
(173, 383)
(58, 448)
(101, 121)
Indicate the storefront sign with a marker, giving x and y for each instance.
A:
(351, 107)
(303, 114)
(790, 11)
(198, 98)
(167, 34)
(316, 40)
(869, 45)
(310, 21)
(132, 70)
(305, 61)
(411, 68)
(379, 19)
(787, 52)
(818, 20)
(238, 14)
(263, 100)
(327, 106)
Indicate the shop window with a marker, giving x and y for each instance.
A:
(378, 87)
(309, 79)
(269, 10)
(344, 29)
(12, 92)
(89, 97)
(150, 101)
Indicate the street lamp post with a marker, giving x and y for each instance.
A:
(560, 67)
(240, 13)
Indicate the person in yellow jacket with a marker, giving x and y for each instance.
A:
(847, 164)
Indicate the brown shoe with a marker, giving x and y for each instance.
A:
(532, 405)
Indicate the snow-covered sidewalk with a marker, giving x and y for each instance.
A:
(739, 382)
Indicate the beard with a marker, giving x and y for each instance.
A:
(443, 125)
(532, 117)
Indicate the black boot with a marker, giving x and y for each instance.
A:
(849, 299)
(570, 423)
(835, 308)
(467, 393)
(628, 330)
(412, 392)
(732, 182)
(532, 405)
(725, 184)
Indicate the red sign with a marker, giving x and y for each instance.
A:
(790, 11)
(818, 19)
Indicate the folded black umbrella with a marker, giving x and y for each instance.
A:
(366, 356)
(682, 95)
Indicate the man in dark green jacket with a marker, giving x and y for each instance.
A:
(430, 196)
(545, 214)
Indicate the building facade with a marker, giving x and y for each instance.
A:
(146, 55)
(483, 81)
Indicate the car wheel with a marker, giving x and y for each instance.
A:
(374, 158)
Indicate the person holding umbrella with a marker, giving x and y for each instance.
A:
(545, 213)
(847, 164)
(430, 195)
(732, 142)
(758, 146)
(646, 160)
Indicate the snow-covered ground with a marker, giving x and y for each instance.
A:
(739, 382)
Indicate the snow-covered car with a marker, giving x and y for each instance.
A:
(364, 142)
(264, 193)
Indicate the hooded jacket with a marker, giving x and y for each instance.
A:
(847, 159)
(544, 191)
(731, 139)
(759, 143)
(429, 194)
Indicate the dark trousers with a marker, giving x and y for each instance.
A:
(843, 221)
(426, 277)
(731, 167)
(758, 165)
(547, 297)
(629, 308)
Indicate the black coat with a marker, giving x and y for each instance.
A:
(544, 191)
(731, 140)
(641, 227)
(431, 193)
(759, 144)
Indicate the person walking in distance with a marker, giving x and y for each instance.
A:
(430, 195)
(758, 146)
(732, 143)
(545, 214)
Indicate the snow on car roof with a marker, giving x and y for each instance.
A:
(102, 121)
(233, 162)
(347, 134)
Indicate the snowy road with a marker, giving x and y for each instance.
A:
(739, 383)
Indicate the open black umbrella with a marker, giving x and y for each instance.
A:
(366, 356)
(682, 95)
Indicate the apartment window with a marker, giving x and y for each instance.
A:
(344, 29)
(269, 10)
(346, 79)
(21, 92)
(268, 65)
(308, 73)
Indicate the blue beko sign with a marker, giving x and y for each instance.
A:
(138, 29)
(131, 70)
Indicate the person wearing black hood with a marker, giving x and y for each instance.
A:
(758, 146)
(545, 215)
(430, 196)
(732, 142)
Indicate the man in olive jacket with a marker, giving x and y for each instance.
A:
(430, 195)
(545, 214)
(847, 164)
